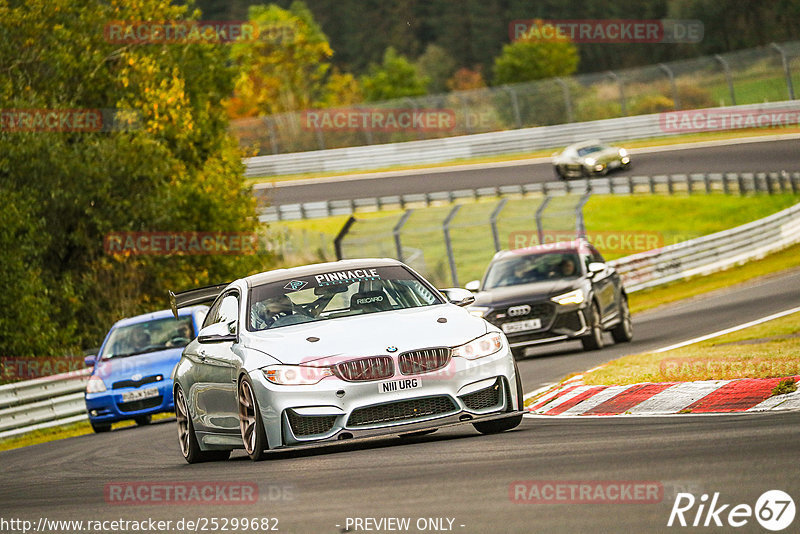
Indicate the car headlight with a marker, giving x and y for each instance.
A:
(478, 348)
(95, 385)
(296, 375)
(573, 297)
(590, 161)
(623, 152)
(478, 311)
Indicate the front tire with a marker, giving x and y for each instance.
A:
(623, 332)
(100, 428)
(190, 448)
(594, 339)
(250, 423)
(143, 420)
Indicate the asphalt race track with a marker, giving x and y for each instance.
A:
(456, 473)
(763, 156)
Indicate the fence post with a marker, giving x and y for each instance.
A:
(396, 233)
(727, 69)
(273, 140)
(675, 98)
(613, 75)
(567, 99)
(514, 105)
(538, 216)
(448, 244)
(337, 241)
(493, 222)
(786, 69)
(580, 226)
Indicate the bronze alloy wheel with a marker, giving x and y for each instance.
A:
(250, 424)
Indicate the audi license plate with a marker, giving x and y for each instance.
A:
(390, 386)
(139, 394)
(522, 326)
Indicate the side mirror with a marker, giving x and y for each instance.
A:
(89, 360)
(596, 267)
(474, 285)
(218, 333)
(458, 296)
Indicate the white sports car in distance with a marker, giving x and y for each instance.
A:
(589, 158)
(335, 351)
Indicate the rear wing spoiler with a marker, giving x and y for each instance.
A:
(192, 297)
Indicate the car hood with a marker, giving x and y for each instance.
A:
(366, 335)
(499, 296)
(151, 363)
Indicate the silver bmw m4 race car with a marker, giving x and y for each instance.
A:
(334, 351)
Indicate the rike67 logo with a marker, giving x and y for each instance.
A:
(774, 510)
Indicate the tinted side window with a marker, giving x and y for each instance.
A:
(228, 309)
(212, 314)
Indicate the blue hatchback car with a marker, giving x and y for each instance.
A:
(132, 375)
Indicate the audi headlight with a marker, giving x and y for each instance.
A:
(95, 385)
(573, 297)
(623, 152)
(478, 311)
(590, 161)
(296, 375)
(478, 348)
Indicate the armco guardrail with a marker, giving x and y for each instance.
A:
(741, 183)
(42, 403)
(711, 253)
(485, 144)
(51, 401)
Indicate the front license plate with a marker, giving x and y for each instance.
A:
(390, 386)
(139, 394)
(613, 164)
(521, 326)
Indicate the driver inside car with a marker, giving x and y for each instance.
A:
(264, 313)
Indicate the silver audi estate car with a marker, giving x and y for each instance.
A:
(335, 351)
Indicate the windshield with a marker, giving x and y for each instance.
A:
(525, 269)
(589, 150)
(336, 294)
(149, 336)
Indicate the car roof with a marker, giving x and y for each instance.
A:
(588, 142)
(576, 245)
(160, 314)
(318, 268)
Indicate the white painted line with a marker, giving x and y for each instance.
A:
(596, 400)
(727, 330)
(677, 397)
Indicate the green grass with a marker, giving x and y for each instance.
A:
(63, 432)
(673, 218)
(768, 350)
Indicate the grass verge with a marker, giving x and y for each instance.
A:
(767, 350)
(62, 432)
